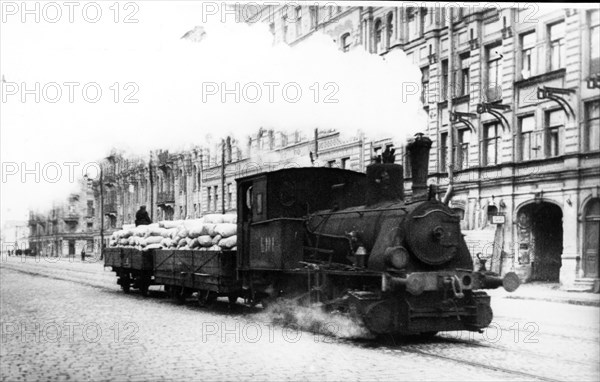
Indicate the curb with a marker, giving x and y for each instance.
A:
(595, 303)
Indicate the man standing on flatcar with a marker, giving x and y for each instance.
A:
(142, 217)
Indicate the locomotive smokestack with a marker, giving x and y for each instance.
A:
(418, 150)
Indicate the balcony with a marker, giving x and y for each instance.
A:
(71, 218)
(165, 197)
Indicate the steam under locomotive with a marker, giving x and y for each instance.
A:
(348, 242)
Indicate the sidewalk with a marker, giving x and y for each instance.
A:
(544, 291)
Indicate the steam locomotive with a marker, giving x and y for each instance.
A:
(348, 242)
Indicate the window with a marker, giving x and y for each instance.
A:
(195, 175)
(331, 163)
(378, 35)
(345, 163)
(272, 28)
(216, 188)
(556, 37)
(181, 212)
(554, 124)
(345, 42)
(209, 198)
(285, 28)
(490, 143)
(195, 210)
(528, 56)
(313, 16)
(444, 79)
(425, 85)
(422, 16)
(411, 17)
(443, 151)
(529, 142)
(298, 21)
(90, 208)
(259, 204)
(464, 137)
(389, 29)
(229, 195)
(594, 22)
(182, 182)
(592, 126)
(494, 73)
(463, 75)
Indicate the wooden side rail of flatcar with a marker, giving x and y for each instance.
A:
(210, 274)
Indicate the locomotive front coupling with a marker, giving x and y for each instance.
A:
(456, 281)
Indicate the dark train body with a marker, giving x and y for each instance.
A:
(349, 242)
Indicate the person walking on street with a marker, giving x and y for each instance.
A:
(142, 217)
(83, 254)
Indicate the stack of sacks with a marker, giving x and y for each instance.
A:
(214, 232)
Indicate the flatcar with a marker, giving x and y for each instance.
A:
(348, 242)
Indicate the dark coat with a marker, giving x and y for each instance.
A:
(142, 218)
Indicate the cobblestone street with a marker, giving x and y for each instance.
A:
(70, 321)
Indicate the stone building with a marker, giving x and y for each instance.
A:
(67, 227)
(515, 93)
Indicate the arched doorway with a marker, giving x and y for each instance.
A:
(591, 241)
(541, 239)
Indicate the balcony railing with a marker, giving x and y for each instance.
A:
(165, 197)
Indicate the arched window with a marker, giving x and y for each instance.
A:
(378, 35)
(390, 29)
(345, 42)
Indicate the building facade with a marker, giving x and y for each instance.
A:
(515, 95)
(67, 228)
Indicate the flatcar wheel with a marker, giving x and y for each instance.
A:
(144, 288)
(125, 286)
(125, 283)
(206, 297)
(232, 297)
(178, 295)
